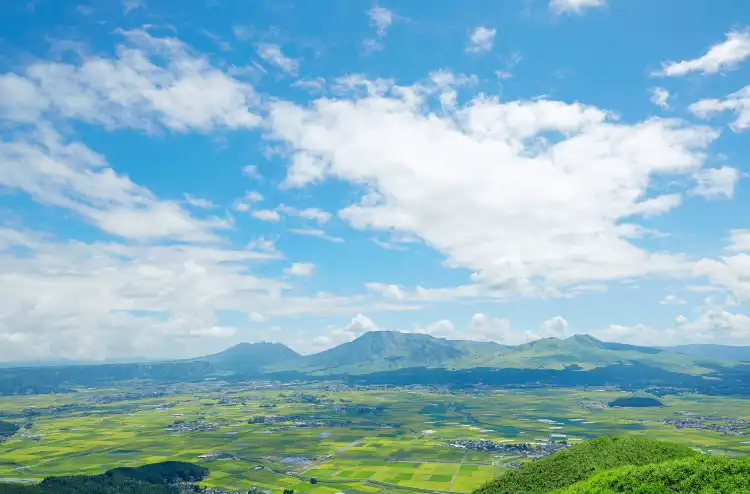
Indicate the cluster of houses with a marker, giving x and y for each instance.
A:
(729, 427)
(526, 450)
(191, 426)
(297, 421)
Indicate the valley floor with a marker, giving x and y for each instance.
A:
(364, 440)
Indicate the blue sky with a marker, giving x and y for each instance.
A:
(177, 178)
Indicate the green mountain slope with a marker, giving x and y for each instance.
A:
(588, 352)
(714, 475)
(252, 356)
(377, 351)
(385, 350)
(567, 467)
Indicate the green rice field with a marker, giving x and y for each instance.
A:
(402, 447)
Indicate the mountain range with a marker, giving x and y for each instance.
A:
(388, 357)
(379, 351)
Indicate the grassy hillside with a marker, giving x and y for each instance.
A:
(589, 352)
(713, 475)
(583, 461)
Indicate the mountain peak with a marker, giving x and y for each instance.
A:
(584, 339)
(254, 354)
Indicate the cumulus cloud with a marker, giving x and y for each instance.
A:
(522, 211)
(731, 273)
(740, 241)
(660, 97)
(574, 6)
(132, 90)
(273, 54)
(481, 40)
(716, 183)
(727, 55)
(334, 336)
(251, 171)
(305, 269)
(672, 300)
(482, 327)
(267, 215)
(738, 103)
(714, 324)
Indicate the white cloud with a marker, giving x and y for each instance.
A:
(267, 215)
(714, 324)
(726, 55)
(257, 317)
(556, 327)
(183, 93)
(272, 54)
(730, 272)
(243, 205)
(54, 172)
(740, 241)
(315, 214)
(660, 97)
(527, 211)
(130, 5)
(304, 269)
(253, 196)
(242, 33)
(672, 300)
(381, 18)
(315, 232)
(314, 86)
(574, 6)
(198, 202)
(251, 171)
(423, 294)
(334, 336)
(738, 102)
(141, 300)
(714, 183)
(481, 40)
(656, 205)
(482, 327)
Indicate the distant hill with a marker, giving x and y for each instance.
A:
(252, 356)
(720, 352)
(638, 399)
(581, 462)
(587, 352)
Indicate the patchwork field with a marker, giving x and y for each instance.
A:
(392, 440)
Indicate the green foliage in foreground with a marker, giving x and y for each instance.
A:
(148, 479)
(704, 475)
(583, 461)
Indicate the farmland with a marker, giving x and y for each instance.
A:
(278, 435)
